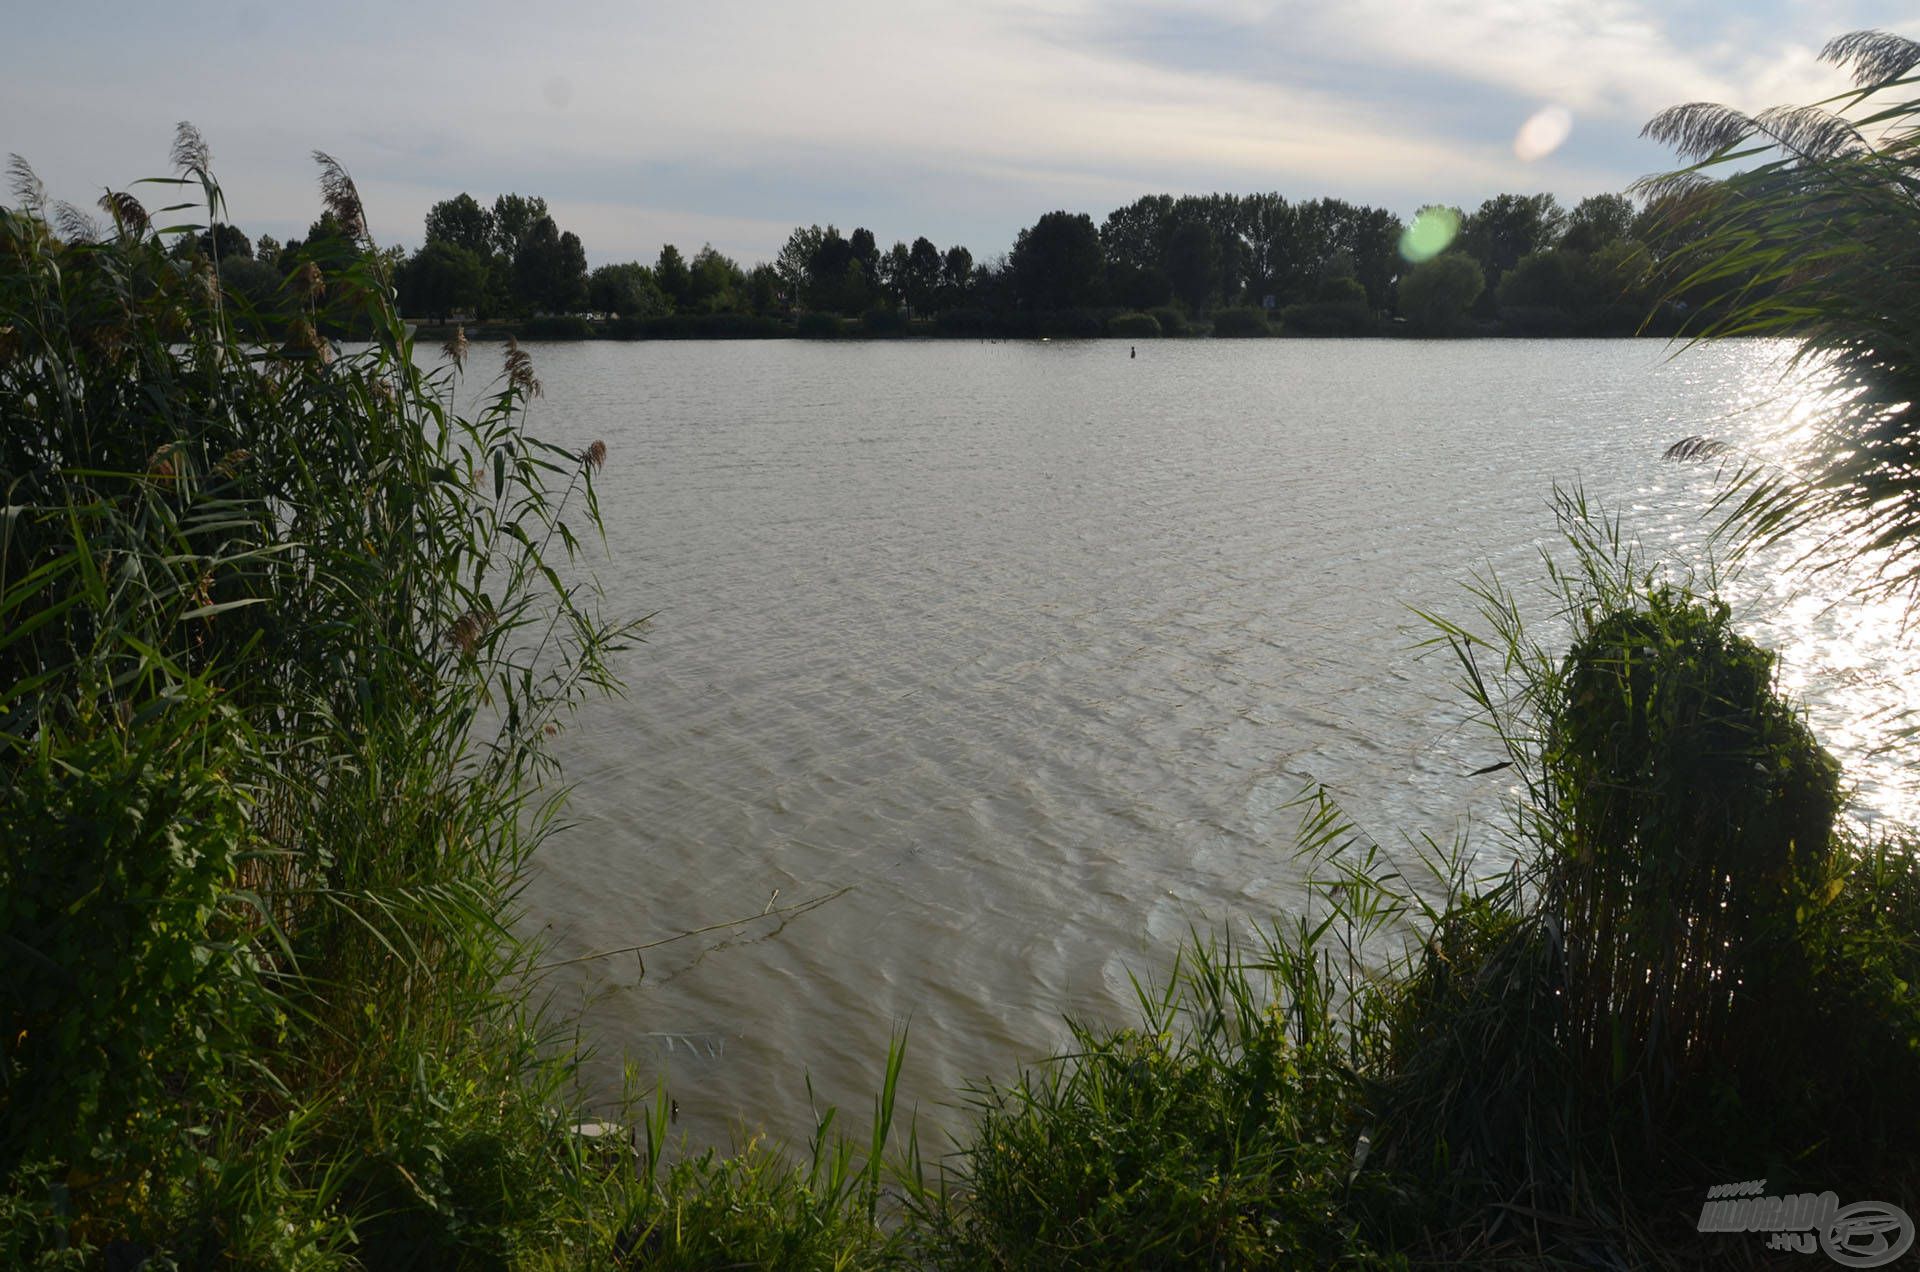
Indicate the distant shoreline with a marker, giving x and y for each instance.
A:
(546, 330)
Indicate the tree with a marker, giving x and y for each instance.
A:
(922, 288)
(956, 276)
(441, 278)
(713, 282)
(627, 290)
(550, 269)
(513, 218)
(1507, 227)
(795, 261)
(1193, 264)
(674, 278)
(1057, 263)
(1436, 295)
(1596, 221)
(1137, 234)
(225, 242)
(763, 289)
(462, 222)
(893, 273)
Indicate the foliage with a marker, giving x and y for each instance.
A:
(1135, 326)
(285, 642)
(1812, 233)
(627, 291)
(1436, 294)
(819, 326)
(441, 279)
(1216, 1132)
(1330, 318)
(1172, 321)
(1246, 321)
(1057, 263)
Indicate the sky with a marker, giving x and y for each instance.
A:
(732, 121)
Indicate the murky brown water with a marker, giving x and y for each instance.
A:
(1030, 645)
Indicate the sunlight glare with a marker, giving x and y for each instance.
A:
(1543, 133)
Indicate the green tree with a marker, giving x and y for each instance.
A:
(1057, 263)
(1596, 221)
(763, 288)
(1507, 227)
(627, 290)
(550, 269)
(795, 261)
(225, 242)
(674, 278)
(956, 276)
(1436, 295)
(462, 222)
(441, 278)
(514, 217)
(713, 282)
(1193, 264)
(1137, 234)
(922, 288)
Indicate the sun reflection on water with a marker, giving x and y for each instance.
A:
(1848, 650)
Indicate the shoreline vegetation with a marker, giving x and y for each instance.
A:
(1119, 326)
(285, 640)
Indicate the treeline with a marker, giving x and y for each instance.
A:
(1233, 264)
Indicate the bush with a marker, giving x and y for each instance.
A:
(1075, 324)
(1525, 320)
(1133, 326)
(883, 322)
(964, 322)
(816, 325)
(1327, 318)
(1436, 294)
(1172, 321)
(558, 327)
(1246, 321)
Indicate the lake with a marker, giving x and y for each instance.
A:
(1030, 646)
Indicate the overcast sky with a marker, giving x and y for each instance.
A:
(731, 121)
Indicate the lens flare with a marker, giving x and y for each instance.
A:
(1429, 235)
(1542, 134)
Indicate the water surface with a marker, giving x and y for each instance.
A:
(1030, 645)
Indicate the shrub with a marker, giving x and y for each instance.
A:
(816, 325)
(1078, 324)
(964, 322)
(1133, 326)
(1172, 321)
(1246, 321)
(1320, 318)
(558, 327)
(880, 321)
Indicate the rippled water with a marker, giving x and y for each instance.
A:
(1029, 645)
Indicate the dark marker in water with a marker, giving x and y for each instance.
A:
(1132, 351)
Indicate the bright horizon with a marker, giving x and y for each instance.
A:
(731, 123)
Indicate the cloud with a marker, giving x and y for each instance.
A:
(732, 120)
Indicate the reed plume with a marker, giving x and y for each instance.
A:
(341, 196)
(129, 217)
(519, 369)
